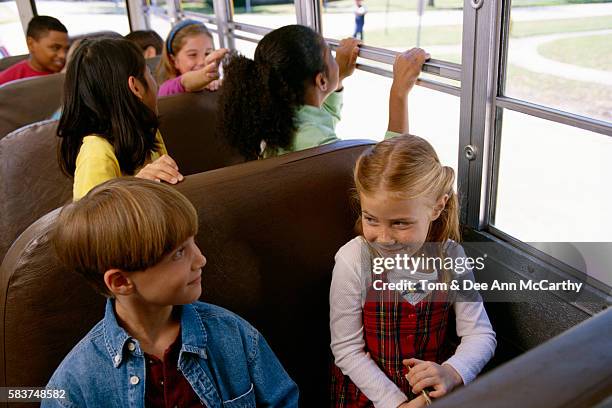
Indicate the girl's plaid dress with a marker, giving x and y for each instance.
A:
(395, 330)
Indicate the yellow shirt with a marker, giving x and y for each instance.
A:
(97, 163)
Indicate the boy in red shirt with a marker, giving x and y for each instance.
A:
(47, 40)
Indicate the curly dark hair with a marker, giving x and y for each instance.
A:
(260, 97)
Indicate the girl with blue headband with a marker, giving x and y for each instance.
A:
(189, 60)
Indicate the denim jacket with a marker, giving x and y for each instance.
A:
(227, 362)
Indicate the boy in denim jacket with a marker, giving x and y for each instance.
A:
(133, 240)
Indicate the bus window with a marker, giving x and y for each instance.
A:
(246, 48)
(159, 17)
(362, 119)
(559, 192)
(264, 14)
(12, 39)
(435, 25)
(561, 56)
(82, 17)
(198, 6)
(565, 193)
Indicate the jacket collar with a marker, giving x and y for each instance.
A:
(193, 334)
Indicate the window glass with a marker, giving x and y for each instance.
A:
(81, 17)
(198, 6)
(560, 55)
(246, 48)
(553, 182)
(12, 37)
(435, 25)
(159, 18)
(161, 25)
(264, 13)
(365, 114)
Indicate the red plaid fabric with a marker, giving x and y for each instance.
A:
(395, 330)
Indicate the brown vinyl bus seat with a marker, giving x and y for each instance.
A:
(29, 100)
(188, 123)
(269, 230)
(11, 60)
(33, 184)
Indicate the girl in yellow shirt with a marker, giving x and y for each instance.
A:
(108, 126)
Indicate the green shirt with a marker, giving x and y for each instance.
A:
(316, 126)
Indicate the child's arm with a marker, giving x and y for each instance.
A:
(475, 350)
(406, 70)
(194, 81)
(478, 342)
(95, 164)
(347, 343)
(272, 385)
(346, 58)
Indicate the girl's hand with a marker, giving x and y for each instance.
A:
(423, 374)
(214, 85)
(346, 57)
(197, 80)
(162, 169)
(406, 69)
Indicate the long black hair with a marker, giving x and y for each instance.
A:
(259, 97)
(98, 100)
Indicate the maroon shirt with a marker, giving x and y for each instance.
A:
(22, 69)
(166, 386)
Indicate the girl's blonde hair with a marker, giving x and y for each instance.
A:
(408, 166)
(166, 69)
(125, 223)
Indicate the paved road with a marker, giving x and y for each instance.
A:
(523, 52)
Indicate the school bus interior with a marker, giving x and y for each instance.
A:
(270, 229)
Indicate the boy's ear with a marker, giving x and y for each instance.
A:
(136, 87)
(321, 82)
(439, 207)
(118, 283)
(31, 42)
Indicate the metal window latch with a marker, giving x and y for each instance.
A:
(476, 4)
(470, 152)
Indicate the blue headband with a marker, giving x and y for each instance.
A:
(178, 27)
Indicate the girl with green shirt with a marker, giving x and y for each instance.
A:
(109, 127)
(289, 97)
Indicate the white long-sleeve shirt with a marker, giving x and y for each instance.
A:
(347, 298)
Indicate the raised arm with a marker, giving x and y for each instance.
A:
(197, 80)
(406, 70)
(347, 343)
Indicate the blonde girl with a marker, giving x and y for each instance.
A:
(391, 345)
(189, 62)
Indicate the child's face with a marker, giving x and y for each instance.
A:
(175, 280)
(193, 53)
(387, 219)
(49, 51)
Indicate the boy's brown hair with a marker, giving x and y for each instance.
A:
(125, 223)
